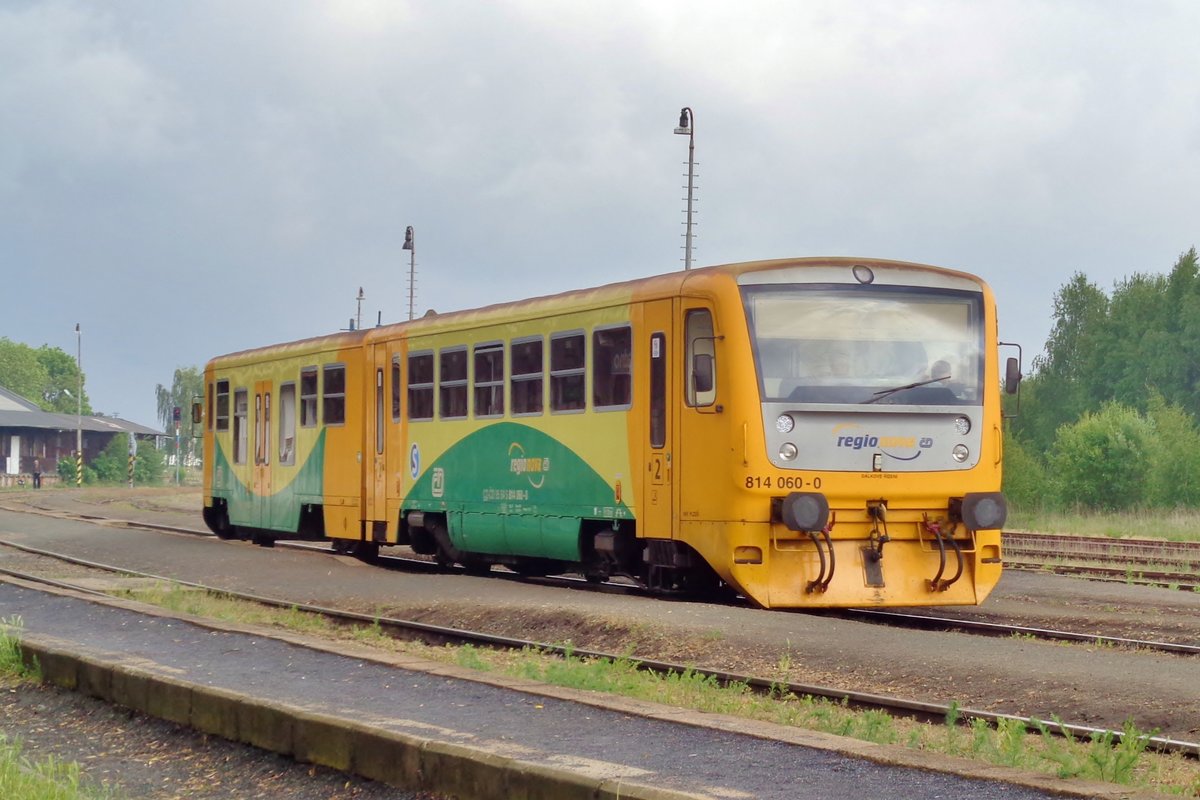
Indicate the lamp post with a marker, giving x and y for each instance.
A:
(687, 128)
(410, 245)
(79, 408)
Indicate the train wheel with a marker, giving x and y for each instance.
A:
(476, 566)
(367, 552)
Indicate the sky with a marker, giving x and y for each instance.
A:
(188, 179)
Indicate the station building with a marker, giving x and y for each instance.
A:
(28, 433)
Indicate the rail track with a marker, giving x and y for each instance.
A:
(1147, 561)
(1041, 551)
(436, 634)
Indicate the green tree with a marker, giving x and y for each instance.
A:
(1102, 462)
(62, 372)
(187, 387)
(1174, 477)
(1064, 376)
(47, 376)
(20, 370)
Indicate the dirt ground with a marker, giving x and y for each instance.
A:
(1088, 684)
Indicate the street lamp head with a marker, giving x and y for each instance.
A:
(408, 239)
(685, 122)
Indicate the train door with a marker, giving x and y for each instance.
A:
(375, 465)
(657, 512)
(702, 492)
(262, 454)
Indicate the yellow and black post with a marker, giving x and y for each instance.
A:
(132, 457)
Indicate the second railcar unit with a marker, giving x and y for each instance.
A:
(807, 432)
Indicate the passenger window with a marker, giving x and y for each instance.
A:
(452, 383)
(567, 372)
(222, 405)
(701, 366)
(658, 390)
(308, 397)
(527, 377)
(612, 357)
(396, 392)
(489, 380)
(334, 405)
(379, 400)
(241, 433)
(287, 423)
(420, 386)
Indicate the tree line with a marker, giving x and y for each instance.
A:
(1108, 415)
(47, 376)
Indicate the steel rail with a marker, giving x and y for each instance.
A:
(981, 627)
(893, 705)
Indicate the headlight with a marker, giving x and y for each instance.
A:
(785, 423)
(960, 453)
(788, 451)
(962, 426)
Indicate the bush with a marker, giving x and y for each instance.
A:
(1102, 461)
(1174, 479)
(112, 465)
(1025, 483)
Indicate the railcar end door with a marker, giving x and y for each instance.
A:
(657, 504)
(262, 454)
(375, 467)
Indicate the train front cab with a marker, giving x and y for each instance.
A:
(852, 488)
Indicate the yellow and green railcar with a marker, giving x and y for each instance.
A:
(811, 432)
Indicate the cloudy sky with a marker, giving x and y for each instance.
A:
(187, 179)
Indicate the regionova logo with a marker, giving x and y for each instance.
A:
(902, 448)
(534, 468)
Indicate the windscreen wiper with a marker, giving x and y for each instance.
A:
(882, 393)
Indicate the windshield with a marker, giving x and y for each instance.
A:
(866, 344)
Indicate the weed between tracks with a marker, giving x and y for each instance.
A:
(1102, 757)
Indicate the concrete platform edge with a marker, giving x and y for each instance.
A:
(400, 760)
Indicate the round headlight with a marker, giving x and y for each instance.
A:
(960, 453)
(962, 426)
(785, 423)
(788, 451)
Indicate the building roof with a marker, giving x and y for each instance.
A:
(17, 412)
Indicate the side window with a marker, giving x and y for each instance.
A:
(208, 410)
(396, 392)
(527, 378)
(452, 383)
(701, 365)
(658, 390)
(489, 380)
(266, 428)
(420, 386)
(287, 423)
(380, 390)
(612, 357)
(567, 372)
(308, 397)
(241, 433)
(334, 405)
(258, 429)
(222, 405)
